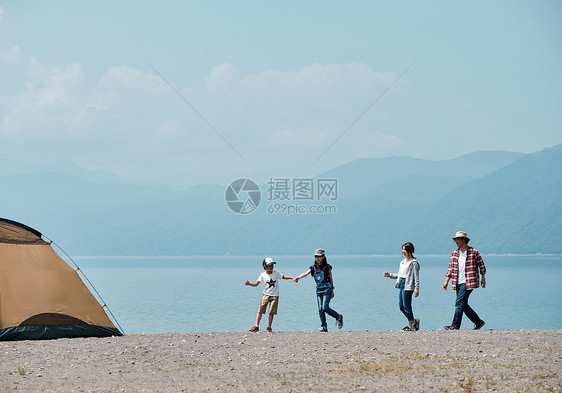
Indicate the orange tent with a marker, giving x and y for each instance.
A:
(41, 296)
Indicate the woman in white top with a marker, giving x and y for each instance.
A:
(408, 281)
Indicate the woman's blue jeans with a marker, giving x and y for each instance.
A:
(323, 299)
(461, 306)
(405, 301)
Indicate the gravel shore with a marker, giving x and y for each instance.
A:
(423, 361)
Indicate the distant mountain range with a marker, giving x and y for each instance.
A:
(64, 167)
(507, 202)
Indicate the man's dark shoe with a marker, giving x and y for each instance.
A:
(417, 324)
(479, 325)
(451, 327)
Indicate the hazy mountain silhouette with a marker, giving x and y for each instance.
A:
(508, 202)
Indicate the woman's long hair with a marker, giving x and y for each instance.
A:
(409, 248)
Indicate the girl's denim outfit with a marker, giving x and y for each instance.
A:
(324, 290)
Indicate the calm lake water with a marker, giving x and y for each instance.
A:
(207, 294)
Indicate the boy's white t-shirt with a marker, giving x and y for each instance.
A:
(270, 282)
(462, 265)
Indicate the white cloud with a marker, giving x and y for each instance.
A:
(223, 76)
(12, 55)
(56, 85)
(300, 107)
(381, 142)
(130, 111)
(50, 98)
(316, 77)
(60, 101)
(132, 80)
(279, 107)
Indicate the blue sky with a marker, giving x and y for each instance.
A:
(274, 84)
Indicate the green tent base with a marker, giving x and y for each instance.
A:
(46, 332)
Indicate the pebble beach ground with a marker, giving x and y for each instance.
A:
(423, 361)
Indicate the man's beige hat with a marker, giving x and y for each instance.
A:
(461, 234)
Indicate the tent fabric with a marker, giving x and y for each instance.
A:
(16, 233)
(39, 292)
(52, 332)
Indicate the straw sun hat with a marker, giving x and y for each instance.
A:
(460, 234)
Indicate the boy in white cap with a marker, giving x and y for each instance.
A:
(270, 279)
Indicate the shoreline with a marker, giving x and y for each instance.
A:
(426, 360)
(210, 256)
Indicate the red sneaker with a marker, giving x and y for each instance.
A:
(269, 329)
(255, 329)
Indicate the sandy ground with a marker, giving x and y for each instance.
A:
(423, 361)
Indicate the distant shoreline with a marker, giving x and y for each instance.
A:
(293, 256)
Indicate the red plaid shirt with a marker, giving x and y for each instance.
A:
(474, 264)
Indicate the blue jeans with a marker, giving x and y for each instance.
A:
(461, 306)
(324, 306)
(405, 301)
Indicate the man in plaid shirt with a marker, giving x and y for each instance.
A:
(465, 267)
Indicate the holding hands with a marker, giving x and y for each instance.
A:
(297, 278)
